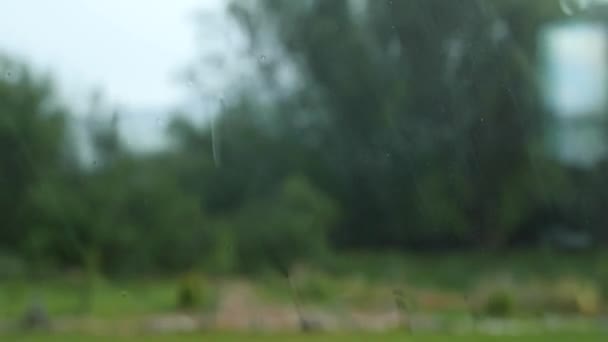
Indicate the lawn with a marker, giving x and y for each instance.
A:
(64, 297)
(353, 277)
(579, 337)
(531, 293)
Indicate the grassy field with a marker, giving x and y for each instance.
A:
(581, 337)
(110, 299)
(443, 293)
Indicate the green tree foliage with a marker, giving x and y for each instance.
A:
(32, 148)
(402, 124)
(123, 212)
(288, 226)
(425, 113)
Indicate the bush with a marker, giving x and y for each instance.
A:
(316, 287)
(495, 297)
(566, 296)
(499, 303)
(290, 226)
(190, 292)
(575, 297)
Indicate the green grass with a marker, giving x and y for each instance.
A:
(460, 270)
(110, 299)
(360, 280)
(234, 337)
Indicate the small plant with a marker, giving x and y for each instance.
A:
(190, 292)
(495, 297)
(36, 316)
(576, 296)
(318, 288)
(404, 304)
(499, 303)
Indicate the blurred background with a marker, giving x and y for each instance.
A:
(415, 165)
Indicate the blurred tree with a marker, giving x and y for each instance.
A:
(374, 124)
(418, 116)
(32, 148)
(284, 228)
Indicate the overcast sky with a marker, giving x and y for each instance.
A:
(132, 50)
(577, 76)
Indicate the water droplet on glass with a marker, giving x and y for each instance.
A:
(481, 119)
(570, 7)
(215, 142)
(499, 30)
(567, 6)
(215, 134)
(262, 59)
(123, 294)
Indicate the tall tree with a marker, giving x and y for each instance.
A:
(423, 112)
(32, 146)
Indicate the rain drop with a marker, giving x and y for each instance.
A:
(567, 6)
(215, 136)
(262, 59)
(215, 145)
(571, 7)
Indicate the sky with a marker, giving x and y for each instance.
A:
(134, 52)
(131, 50)
(576, 64)
(576, 85)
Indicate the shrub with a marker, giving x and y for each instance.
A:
(576, 297)
(316, 287)
(499, 303)
(566, 296)
(495, 297)
(190, 292)
(290, 226)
